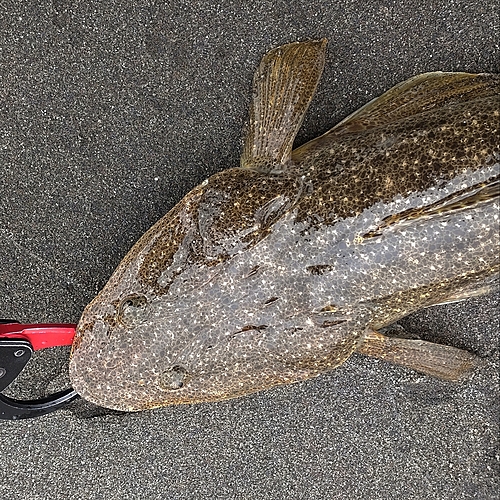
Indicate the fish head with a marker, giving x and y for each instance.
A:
(203, 308)
(155, 358)
(217, 334)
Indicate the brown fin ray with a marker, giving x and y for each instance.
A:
(437, 360)
(284, 85)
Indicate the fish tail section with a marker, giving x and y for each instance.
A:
(283, 85)
(439, 361)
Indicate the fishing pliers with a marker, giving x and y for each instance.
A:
(17, 344)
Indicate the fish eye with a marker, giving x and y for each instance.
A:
(130, 308)
(174, 378)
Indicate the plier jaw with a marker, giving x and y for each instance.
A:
(17, 344)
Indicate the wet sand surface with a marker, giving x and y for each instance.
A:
(110, 113)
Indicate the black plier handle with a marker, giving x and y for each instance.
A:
(17, 344)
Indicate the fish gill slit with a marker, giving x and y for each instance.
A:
(327, 324)
(253, 271)
(271, 300)
(319, 269)
(248, 328)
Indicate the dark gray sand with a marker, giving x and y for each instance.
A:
(110, 112)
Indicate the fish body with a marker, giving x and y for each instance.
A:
(278, 270)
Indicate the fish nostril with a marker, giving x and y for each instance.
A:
(174, 378)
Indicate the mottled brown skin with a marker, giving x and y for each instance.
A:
(279, 270)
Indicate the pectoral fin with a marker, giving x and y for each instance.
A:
(439, 361)
(284, 85)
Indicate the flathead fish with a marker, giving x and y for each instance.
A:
(279, 269)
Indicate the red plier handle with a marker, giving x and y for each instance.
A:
(41, 335)
(17, 343)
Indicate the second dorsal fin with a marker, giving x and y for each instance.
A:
(284, 85)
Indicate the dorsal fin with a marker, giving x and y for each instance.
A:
(411, 97)
(283, 86)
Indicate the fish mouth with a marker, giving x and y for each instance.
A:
(109, 386)
(129, 397)
(99, 377)
(111, 391)
(121, 379)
